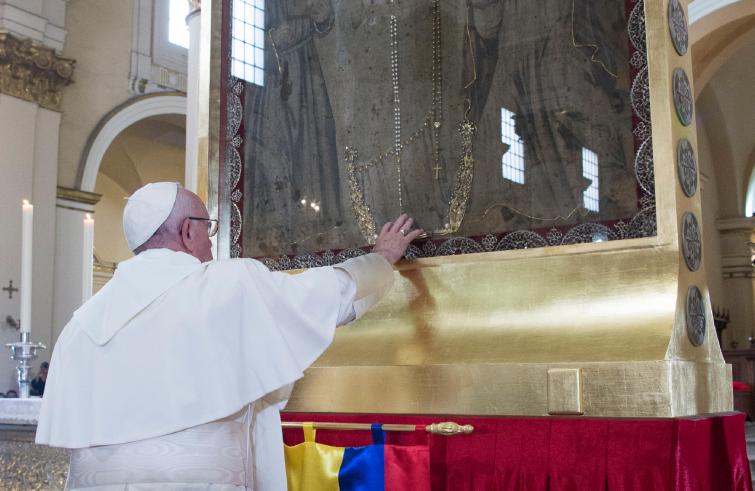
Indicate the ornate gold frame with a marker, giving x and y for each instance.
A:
(602, 325)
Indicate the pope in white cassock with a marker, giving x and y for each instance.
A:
(172, 376)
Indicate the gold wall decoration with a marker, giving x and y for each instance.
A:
(78, 196)
(479, 333)
(33, 72)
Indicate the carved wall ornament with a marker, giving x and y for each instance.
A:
(695, 316)
(33, 72)
(686, 167)
(691, 241)
(683, 100)
(677, 25)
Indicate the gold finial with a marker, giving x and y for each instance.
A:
(449, 428)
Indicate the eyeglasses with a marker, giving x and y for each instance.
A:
(212, 225)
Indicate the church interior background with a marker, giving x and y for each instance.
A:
(99, 98)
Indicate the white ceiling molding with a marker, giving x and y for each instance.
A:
(700, 8)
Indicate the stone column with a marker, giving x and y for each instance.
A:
(739, 278)
(192, 96)
(71, 207)
(32, 77)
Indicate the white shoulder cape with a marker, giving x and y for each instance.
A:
(171, 343)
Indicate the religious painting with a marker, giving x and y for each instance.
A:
(496, 124)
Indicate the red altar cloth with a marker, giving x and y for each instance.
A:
(563, 453)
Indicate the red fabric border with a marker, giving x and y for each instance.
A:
(517, 454)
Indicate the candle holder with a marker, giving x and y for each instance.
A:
(24, 352)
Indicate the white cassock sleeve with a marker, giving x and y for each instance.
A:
(371, 278)
(362, 282)
(348, 287)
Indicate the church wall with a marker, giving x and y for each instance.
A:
(40, 20)
(68, 277)
(726, 142)
(29, 139)
(109, 243)
(711, 235)
(99, 39)
(732, 86)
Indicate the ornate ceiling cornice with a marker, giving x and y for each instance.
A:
(33, 72)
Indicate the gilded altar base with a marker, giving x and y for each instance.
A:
(603, 336)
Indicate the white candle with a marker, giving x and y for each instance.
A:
(87, 259)
(26, 244)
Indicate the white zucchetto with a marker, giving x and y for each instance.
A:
(146, 210)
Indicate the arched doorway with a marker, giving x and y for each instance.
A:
(139, 142)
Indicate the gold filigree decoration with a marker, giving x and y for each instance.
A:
(459, 198)
(362, 211)
(463, 185)
(33, 72)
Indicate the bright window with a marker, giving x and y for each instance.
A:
(591, 196)
(512, 162)
(248, 41)
(178, 31)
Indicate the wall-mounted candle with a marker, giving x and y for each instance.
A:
(87, 263)
(27, 227)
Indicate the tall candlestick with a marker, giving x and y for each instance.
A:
(87, 259)
(26, 244)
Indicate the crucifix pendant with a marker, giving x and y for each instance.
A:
(437, 170)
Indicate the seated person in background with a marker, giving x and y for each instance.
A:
(38, 384)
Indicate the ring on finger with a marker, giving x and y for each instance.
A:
(403, 232)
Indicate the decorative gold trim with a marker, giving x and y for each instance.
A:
(78, 196)
(360, 208)
(33, 72)
(463, 186)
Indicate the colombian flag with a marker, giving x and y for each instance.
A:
(313, 466)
